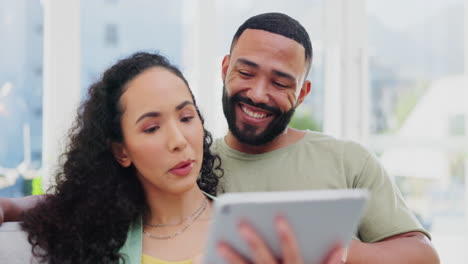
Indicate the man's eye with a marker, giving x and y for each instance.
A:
(246, 74)
(186, 119)
(151, 129)
(282, 85)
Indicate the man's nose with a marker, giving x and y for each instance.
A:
(258, 93)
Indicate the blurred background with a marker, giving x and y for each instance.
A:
(389, 74)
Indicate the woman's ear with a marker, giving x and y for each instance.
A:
(120, 154)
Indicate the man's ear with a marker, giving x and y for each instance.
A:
(305, 90)
(225, 66)
(120, 154)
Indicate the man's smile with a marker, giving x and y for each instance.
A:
(254, 112)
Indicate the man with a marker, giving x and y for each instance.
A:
(264, 81)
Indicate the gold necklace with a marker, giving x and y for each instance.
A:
(183, 219)
(191, 219)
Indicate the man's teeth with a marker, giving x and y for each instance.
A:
(253, 114)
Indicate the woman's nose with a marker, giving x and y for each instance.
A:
(176, 139)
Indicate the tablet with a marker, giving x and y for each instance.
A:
(319, 219)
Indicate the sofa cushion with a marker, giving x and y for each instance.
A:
(14, 245)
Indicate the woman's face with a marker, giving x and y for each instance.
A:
(163, 134)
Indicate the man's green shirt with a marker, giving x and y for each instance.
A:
(317, 162)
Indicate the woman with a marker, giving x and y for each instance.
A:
(137, 176)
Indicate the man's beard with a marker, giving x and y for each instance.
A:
(248, 134)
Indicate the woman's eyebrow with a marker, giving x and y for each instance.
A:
(149, 114)
(183, 104)
(156, 114)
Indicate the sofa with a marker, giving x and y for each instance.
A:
(14, 245)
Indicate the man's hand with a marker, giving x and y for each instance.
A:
(1, 215)
(262, 254)
(3, 204)
(12, 209)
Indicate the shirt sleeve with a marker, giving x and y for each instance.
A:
(386, 213)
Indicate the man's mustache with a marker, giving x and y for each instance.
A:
(241, 99)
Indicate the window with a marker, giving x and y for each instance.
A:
(111, 35)
(456, 125)
(417, 112)
(20, 95)
(124, 28)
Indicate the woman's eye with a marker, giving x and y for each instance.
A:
(151, 129)
(186, 119)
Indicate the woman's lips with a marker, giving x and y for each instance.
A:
(182, 168)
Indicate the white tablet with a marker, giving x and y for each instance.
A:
(320, 219)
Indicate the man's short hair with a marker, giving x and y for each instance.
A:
(281, 24)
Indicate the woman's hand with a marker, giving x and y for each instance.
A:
(262, 254)
(198, 259)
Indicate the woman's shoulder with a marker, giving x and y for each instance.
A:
(133, 246)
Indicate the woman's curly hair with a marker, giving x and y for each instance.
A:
(87, 219)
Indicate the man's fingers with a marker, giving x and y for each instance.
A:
(289, 247)
(2, 205)
(229, 254)
(258, 249)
